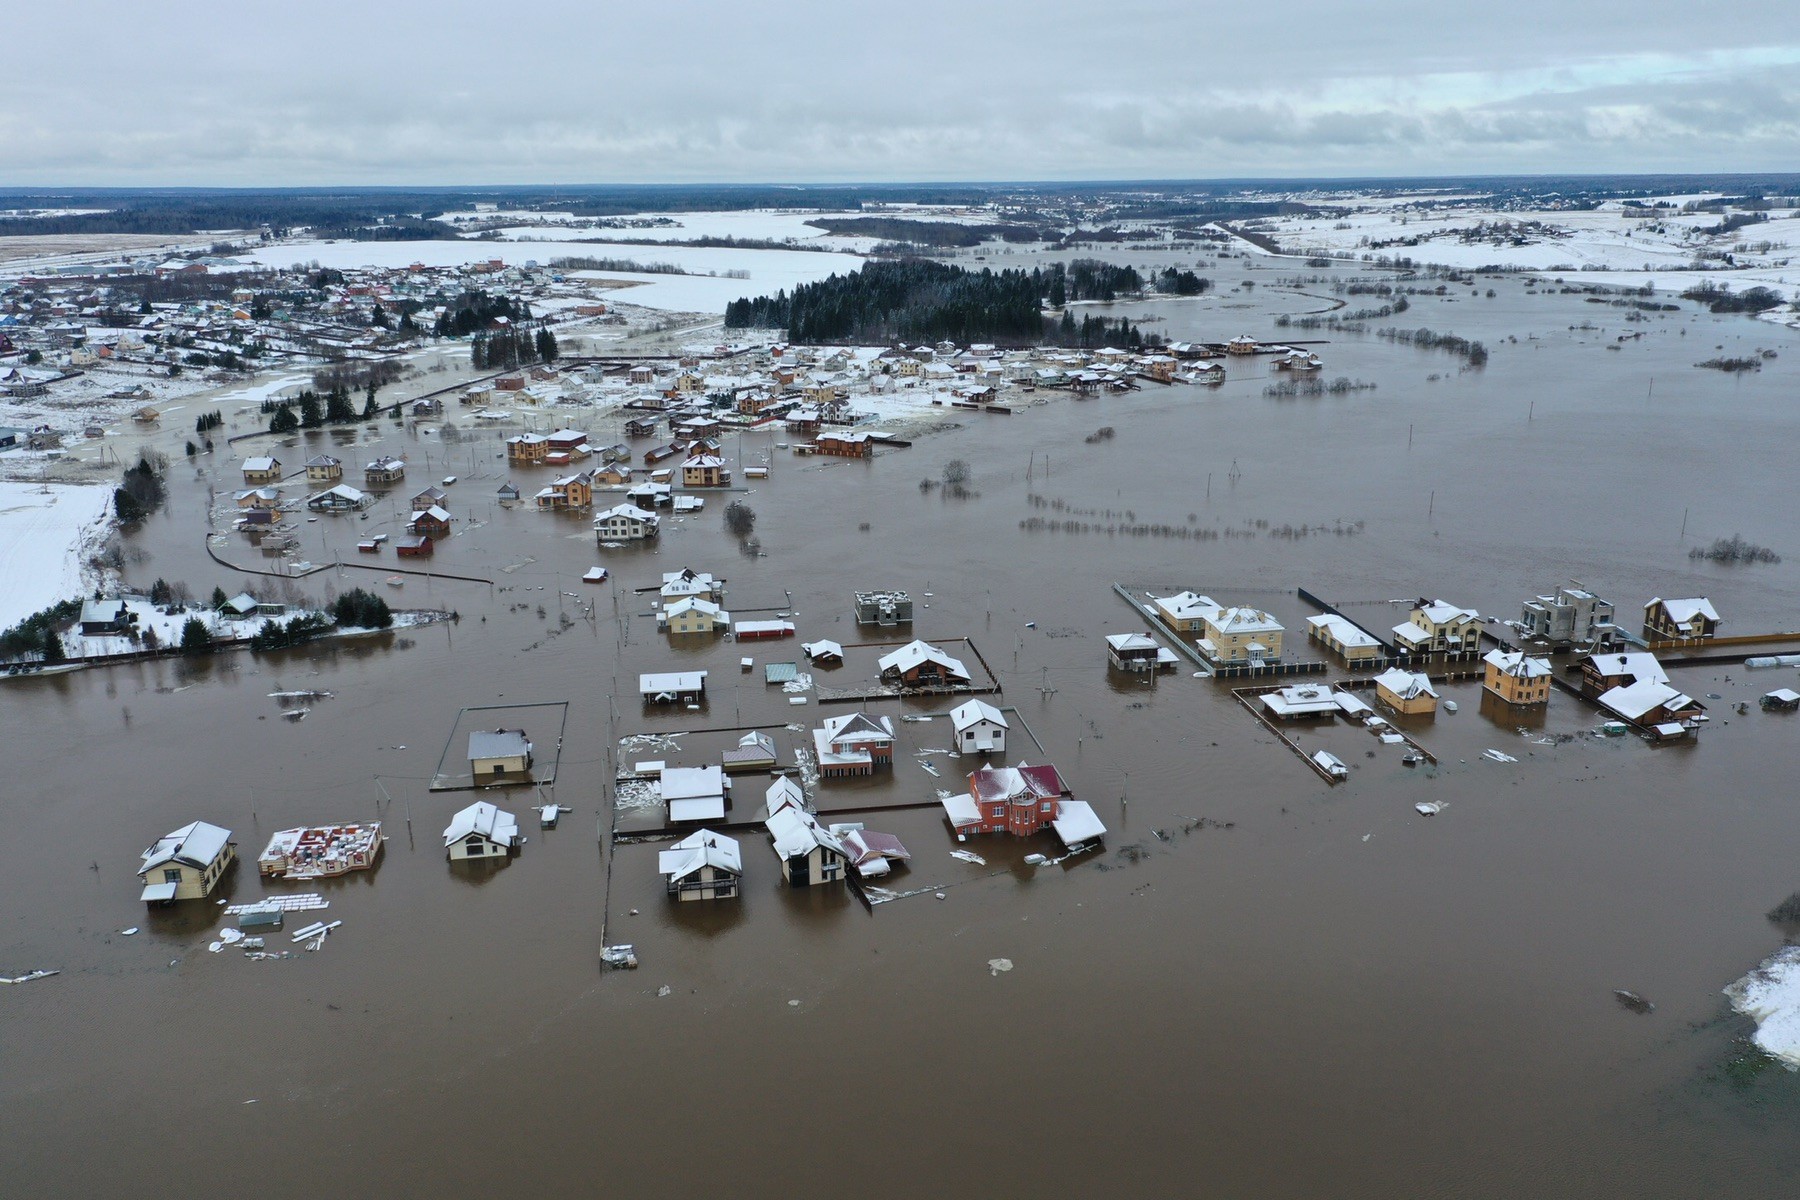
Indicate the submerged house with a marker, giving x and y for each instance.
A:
(1241, 635)
(695, 793)
(625, 523)
(1018, 800)
(1406, 691)
(920, 664)
(481, 831)
(980, 727)
(1138, 652)
(702, 866)
(853, 744)
(1680, 620)
(672, 687)
(810, 854)
(1439, 628)
(186, 864)
(691, 614)
(1516, 677)
(1350, 643)
(1568, 616)
(500, 752)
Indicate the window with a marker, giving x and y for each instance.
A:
(473, 848)
(172, 875)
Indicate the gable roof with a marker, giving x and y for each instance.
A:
(702, 848)
(1683, 611)
(1189, 606)
(973, 712)
(502, 828)
(797, 832)
(1405, 684)
(1517, 664)
(915, 653)
(195, 844)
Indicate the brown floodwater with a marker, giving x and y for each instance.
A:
(1314, 992)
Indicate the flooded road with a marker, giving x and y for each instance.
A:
(1262, 986)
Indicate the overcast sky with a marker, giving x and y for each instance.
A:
(256, 93)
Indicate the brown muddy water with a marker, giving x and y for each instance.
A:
(1317, 992)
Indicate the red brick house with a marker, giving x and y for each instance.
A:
(1017, 800)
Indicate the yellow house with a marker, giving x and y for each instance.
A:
(693, 615)
(1344, 639)
(1406, 692)
(1515, 678)
(526, 449)
(323, 468)
(1439, 628)
(186, 864)
(499, 752)
(262, 469)
(705, 470)
(1235, 635)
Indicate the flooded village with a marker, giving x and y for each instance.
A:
(709, 699)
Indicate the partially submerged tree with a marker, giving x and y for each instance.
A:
(740, 518)
(195, 637)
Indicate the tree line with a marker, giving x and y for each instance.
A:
(915, 300)
(504, 349)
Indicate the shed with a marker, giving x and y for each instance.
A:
(694, 793)
(499, 752)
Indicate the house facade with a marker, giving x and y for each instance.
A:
(323, 468)
(262, 469)
(980, 727)
(702, 866)
(691, 614)
(1241, 635)
(810, 855)
(384, 471)
(527, 449)
(1406, 692)
(1516, 678)
(434, 522)
(1185, 612)
(1680, 620)
(1355, 646)
(853, 744)
(499, 752)
(705, 470)
(625, 523)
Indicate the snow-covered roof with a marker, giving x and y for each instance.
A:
(1244, 620)
(702, 848)
(671, 681)
(1076, 823)
(496, 826)
(797, 832)
(261, 463)
(689, 604)
(822, 648)
(1517, 664)
(1633, 700)
(1639, 665)
(1188, 606)
(1438, 613)
(1685, 610)
(1405, 684)
(1131, 641)
(625, 512)
(195, 845)
(973, 712)
(782, 793)
(499, 743)
(917, 652)
(1343, 631)
(960, 808)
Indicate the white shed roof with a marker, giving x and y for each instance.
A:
(499, 827)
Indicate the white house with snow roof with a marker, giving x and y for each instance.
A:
(702, 866)
(980, 727)
(481, 831)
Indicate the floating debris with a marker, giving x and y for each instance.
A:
(997, 965)
(622, 957)
(1450, 706)
(1429, 808)
(1035, 860)
(300, 695)
(969, 856)
(664, 990)
(298, 902)
(1634, 1002)
(31, 975)
(1498, 757)
(128, 932)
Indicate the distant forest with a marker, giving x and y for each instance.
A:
(920, 301)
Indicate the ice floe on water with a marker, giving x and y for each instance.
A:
(1770, 995)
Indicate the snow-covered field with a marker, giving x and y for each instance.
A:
(46, 534)
(761, 225)
(1770, 995)
(1606, 246)
(769, 270)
